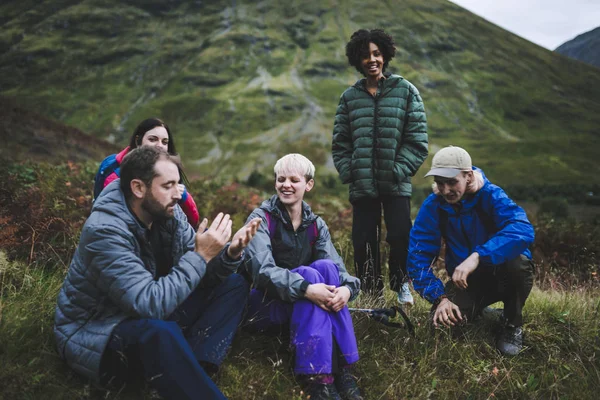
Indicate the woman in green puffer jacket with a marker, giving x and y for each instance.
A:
(379, 142)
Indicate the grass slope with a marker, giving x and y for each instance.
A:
(242, 83)
(42, 210)
(560, 360)
(28, 136)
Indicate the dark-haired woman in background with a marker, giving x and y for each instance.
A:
(379, 143)
(150, 132)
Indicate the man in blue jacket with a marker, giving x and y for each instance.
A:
(146, 295)
(487, 237)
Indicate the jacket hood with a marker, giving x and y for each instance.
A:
(277, 209)
(112, 202)
(119, 157)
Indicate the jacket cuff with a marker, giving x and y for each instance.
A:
(353, 294)
(435, 295)
(229, 262)
(197, 261)
(484, 256)
(304, 286)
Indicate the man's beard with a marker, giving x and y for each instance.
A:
(156, 210)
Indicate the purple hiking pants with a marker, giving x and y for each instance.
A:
(312, 329)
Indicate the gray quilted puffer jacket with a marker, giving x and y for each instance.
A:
(112, 278)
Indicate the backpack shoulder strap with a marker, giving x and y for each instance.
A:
(107, 167)
(271, 224)
(312, 230)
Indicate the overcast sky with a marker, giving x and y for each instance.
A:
(548, 23)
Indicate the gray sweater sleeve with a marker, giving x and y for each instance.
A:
(324, 249)
(111, 255)
(278, 282)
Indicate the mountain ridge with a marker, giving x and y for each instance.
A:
(29, 136)
(242, 83)
(584, 47)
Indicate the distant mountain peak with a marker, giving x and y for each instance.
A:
(585, 47)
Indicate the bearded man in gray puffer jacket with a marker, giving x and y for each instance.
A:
(147, 295)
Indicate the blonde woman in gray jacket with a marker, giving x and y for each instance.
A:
(301, 280)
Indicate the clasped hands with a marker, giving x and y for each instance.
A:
(328, 297)
(210, 241)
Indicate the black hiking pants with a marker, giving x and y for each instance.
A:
(509, 283)
(366, 235)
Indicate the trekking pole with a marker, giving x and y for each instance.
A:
(383, 315)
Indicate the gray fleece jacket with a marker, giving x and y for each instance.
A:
(271, 261)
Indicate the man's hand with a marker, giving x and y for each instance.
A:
(340, 298)
(242, 238)
(209, 242)
(320, 294)
(447, 313)
(462, 272)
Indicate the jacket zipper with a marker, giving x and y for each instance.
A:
(464, 232)
(374, 165)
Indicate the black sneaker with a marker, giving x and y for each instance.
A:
(347, 386)
(322, 391)
(510, 341)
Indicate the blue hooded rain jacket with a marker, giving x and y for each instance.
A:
(487, 222)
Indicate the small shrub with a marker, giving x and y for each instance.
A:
(42, 210)
(567, 253)
(258, 180)
(555, 207)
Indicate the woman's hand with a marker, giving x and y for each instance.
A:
(242, 237)
(320, 294)
(340, 299)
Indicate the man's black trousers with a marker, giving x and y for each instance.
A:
(509, 283)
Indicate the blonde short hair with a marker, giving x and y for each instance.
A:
(295, 163)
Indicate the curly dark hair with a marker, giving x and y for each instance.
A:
(358, 47)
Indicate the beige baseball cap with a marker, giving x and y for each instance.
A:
(449, 162)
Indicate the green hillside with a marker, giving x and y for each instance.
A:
(27, 136)
(242, 82)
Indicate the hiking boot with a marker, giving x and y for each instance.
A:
(405, 296)
(322, 391)
(510, 341)
(347, 386)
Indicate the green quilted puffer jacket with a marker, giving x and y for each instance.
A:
(380, 141)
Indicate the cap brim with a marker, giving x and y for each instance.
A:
(444, 172)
